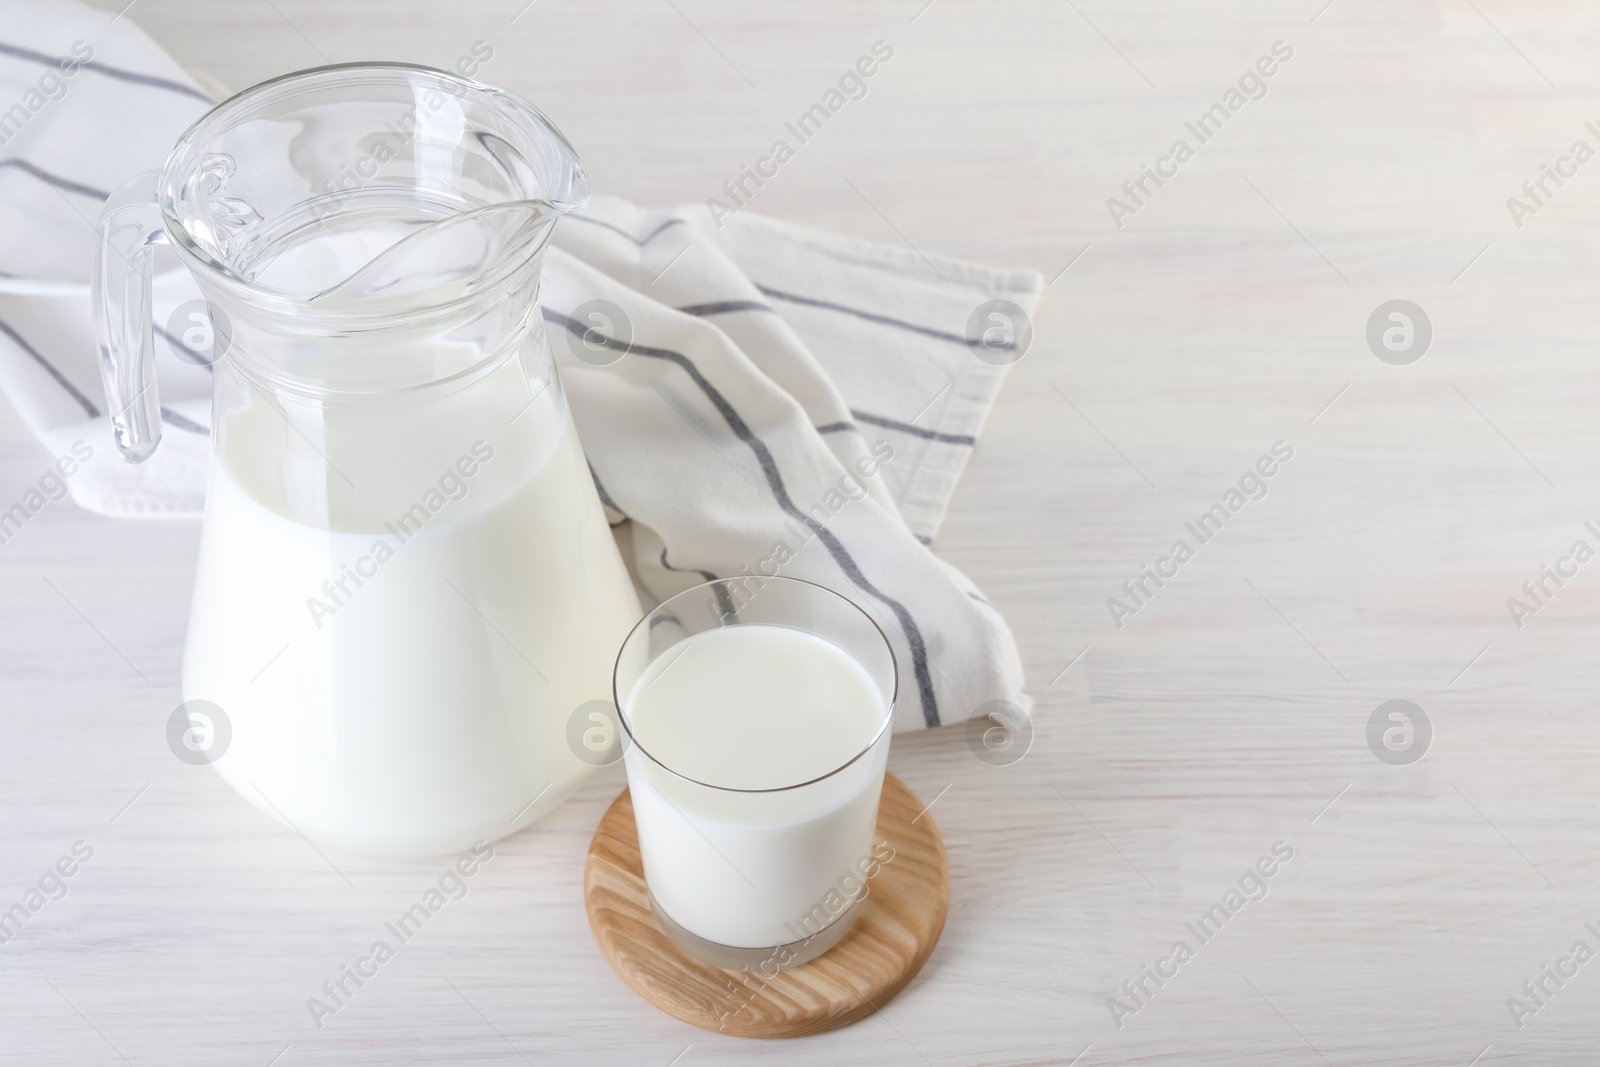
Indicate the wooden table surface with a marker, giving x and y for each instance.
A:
(1227, 313)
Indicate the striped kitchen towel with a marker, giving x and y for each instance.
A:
(771, 399)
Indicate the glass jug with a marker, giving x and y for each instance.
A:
(406, 587)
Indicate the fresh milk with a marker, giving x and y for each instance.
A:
(755, 707)
(399, 611)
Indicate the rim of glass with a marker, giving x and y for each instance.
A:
(206, 126)
(888, 717)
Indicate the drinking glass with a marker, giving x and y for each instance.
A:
(744, 868)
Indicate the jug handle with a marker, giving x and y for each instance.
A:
(130, 228)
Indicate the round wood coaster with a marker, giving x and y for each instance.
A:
(896, 928)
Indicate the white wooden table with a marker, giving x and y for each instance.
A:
(1228, 313)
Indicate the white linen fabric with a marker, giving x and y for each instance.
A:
(753, 397)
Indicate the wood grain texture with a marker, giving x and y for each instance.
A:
(895, 931)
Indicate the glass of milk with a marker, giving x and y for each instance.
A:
(756, 713)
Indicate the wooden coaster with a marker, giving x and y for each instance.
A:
(896, 928)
